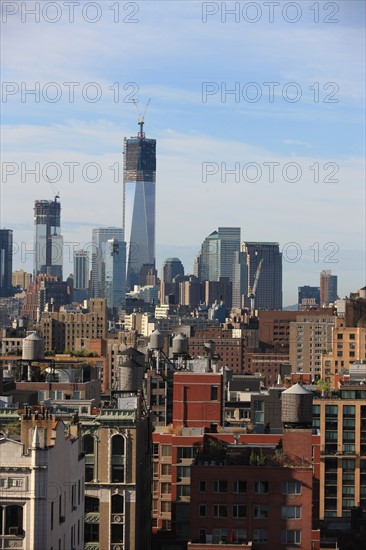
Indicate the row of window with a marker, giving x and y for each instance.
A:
(117, 458)
(92, 504)
(288, 536)
(260, 487)
(260, 511)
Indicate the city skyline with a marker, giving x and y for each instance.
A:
(203, 131)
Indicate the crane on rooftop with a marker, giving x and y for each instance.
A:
(55, 193)
(253, 290)
(141, 117)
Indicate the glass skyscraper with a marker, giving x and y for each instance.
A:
(48, 241)
(269, 289)
(81, 275)
(139, 203)
(6, 261)
(115, 273)
(100, 237)
(217, 254)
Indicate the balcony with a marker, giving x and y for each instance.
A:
(329, 452)
(91, 517)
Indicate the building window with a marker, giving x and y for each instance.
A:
(91, 504)
(219, 535)
(117, 459)
(116, 532)
(260, 511)
(239, 486)
(117, 504)
(291, 488)
(214, 393)
(260, 535)
(166, 450)
(239, 511)
(183, 491)
(166, 507)
(203, 486)
(220, 486)
(291, 536)
(166, 488)
(291, 512)
(166, 469)
(88, 448)
(202, 510)
(185, 453)
(183, 471)
(261, 487)
(13, 516)
(239, 536)
(91, 532)
(220, 511)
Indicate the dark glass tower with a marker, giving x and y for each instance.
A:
(6, 261)
(139, 203)
(48, 241)
(269, 289)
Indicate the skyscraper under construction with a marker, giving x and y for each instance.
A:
(48, 241)
(139, 203)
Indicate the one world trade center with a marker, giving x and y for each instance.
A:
(139, 203)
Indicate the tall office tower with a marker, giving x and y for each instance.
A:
(328, 287)
(171, 268)
(115, 273)
(197, 262)
(48, 241)
(81, 276)
(6, 262)
(269, 288)
(21, 279)
(229, 243)
(148, 275)
(240, 280)
(309, 296)
(100, 236)
(217, 253)
(209, 264)
(139, 203)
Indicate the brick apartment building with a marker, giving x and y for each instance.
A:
(177, 471)
(230, 345)
(61, 331)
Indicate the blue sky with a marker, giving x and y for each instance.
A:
(169, 54)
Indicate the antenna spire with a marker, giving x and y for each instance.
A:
(141, 118)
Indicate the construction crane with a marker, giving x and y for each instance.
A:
(55, 193)
(141, 118)
(253, 290)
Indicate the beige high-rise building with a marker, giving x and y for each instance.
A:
(310, 337)
(348, 346)
(342, 423)
(60, 331)
(21, 279)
